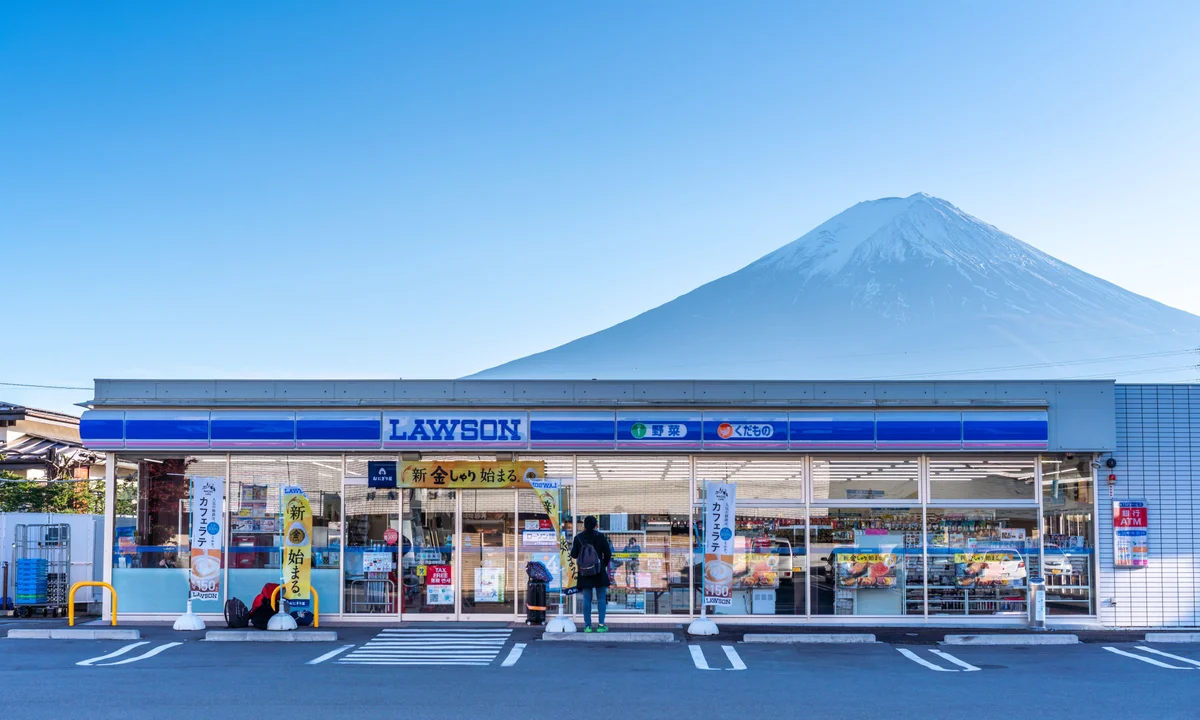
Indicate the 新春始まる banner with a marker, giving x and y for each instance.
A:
(297, 548)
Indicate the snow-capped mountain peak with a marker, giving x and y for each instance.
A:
(899, 229)
(896, 287)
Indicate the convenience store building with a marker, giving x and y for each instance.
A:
(857, 502)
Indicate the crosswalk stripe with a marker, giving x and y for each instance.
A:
(430, 646)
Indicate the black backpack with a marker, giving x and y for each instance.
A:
(589, 560)
(237, 615)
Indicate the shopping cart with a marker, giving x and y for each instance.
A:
(42, 556)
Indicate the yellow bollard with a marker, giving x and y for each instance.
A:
(88, 583)
(316, 604)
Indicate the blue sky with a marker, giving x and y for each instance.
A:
(429, 189)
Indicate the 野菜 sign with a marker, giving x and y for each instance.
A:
(205, 576)
(1131, 534)
(866, 570)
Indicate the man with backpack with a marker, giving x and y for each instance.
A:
(592, 553)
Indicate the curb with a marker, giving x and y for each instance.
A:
(270, 636)
(626, 637)
(1012, 639)
(1163, 637)
(809, 638)
(75, 634)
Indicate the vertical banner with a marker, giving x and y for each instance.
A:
(297, 548)
(1131, 534)
(720, 509)
(205, 575)
(550, 493)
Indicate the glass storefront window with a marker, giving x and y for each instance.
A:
(255, 486)
(642, 504)
(769, 563)
(152, 544)
(756, 478)
(1068, 526)
(538, 543)
(867, 561)
(372, 555)
(865, 478)
(998, 478)
(980, 560)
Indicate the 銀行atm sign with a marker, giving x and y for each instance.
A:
(1131, 534)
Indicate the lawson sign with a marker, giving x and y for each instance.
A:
(506, 429)
(419, 429)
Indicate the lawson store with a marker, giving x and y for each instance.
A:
(857, 502)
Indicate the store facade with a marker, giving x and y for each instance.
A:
(890, 503)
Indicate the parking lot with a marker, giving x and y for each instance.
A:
(510, 671)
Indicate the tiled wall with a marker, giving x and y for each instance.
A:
(1158, 456)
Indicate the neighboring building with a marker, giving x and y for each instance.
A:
(42, 444)
(857, 502)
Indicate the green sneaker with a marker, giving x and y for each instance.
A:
(588, 628)
(602, 628)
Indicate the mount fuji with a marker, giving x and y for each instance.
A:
(895, 288)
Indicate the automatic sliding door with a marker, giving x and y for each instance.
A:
(429, 575)
(487, 547)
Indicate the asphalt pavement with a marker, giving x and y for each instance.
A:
(419, 671)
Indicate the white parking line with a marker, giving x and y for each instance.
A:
(734, 658)
(143, 656)
(513, 655)
(922, 661)
(122, 651)
(698, 657)
(1145, 659)
(330, 654)
(967, 667)
(1169, 655)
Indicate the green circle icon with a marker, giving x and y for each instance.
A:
(638, 430)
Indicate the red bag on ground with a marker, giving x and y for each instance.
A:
(264, 596)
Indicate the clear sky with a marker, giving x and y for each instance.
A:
(394, 189)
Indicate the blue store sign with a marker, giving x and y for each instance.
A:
(381, 473)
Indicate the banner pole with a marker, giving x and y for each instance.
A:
(281, 620)
(190, 621)
(703, 625)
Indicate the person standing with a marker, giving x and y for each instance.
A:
(592, 553)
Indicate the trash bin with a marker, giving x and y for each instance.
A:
(535, 593)
(1037, 603)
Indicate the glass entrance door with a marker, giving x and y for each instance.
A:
(488, 553)
(372, 533)
(429, 570)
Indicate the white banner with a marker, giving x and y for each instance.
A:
(720, 510)
(207, 537)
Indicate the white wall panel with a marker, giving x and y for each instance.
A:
(1158, 456)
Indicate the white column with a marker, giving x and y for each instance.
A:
(110, 520)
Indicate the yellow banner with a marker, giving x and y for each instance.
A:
(550, 493)
(886, 558)
(297, 548)
(982, 557)
(470, 475)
